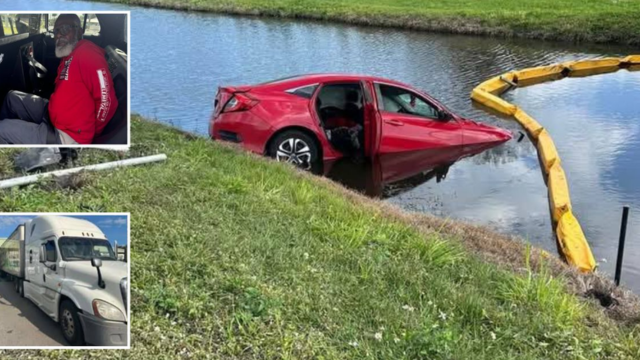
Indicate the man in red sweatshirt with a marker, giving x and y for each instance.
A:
(81, 105)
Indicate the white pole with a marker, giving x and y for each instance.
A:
(24, 180)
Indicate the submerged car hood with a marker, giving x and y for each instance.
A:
(494, 134)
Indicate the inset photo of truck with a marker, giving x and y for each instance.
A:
(64, 280)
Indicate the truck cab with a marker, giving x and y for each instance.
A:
(72, 273)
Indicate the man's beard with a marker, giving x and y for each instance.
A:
(64, 48)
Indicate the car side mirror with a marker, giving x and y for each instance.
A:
(444, 116)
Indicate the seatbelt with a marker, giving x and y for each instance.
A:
(36, 66)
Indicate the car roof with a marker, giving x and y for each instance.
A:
(311, 79)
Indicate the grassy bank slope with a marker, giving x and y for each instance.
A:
(601, 21)
(237, 257)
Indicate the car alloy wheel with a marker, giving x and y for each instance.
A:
(295, 151)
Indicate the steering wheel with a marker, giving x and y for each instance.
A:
(402, 110)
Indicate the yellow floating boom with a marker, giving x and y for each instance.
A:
(571, 240)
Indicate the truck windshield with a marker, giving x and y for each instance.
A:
(77, 248)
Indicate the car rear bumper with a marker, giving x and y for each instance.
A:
(102, 332)
(243, 128)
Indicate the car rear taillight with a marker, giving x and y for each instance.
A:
(239, 102)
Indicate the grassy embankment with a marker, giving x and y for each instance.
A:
(234, 256)
(602, 21)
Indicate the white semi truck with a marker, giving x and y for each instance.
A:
(68, 268)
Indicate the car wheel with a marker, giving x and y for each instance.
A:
(295, 147)
(70, 323)
(21, 287)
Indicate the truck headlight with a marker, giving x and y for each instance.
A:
(107, 311)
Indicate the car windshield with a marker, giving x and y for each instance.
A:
(78, 248)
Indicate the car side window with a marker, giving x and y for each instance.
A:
(305, 92)
(15, 24)
(401, 101)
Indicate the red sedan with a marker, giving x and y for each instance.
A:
(307, 119)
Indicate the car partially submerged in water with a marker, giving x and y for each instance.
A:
(309, 119)
(28, 62)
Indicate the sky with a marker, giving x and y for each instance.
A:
(113, 226)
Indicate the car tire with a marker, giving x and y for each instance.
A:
(297, 148)
(70, 323)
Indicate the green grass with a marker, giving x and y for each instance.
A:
(234, 256)
(604, 21)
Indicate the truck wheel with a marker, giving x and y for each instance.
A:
(70, 323)
(21, 287)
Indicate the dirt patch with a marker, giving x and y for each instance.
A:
(71, 182)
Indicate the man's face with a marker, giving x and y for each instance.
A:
(66, 35)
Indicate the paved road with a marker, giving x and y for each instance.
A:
(22, 323)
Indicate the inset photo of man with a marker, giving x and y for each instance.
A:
(64, 79)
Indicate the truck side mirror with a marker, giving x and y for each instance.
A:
(97, 263)
(43, 253)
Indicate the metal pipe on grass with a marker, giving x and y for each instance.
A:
(25, 180)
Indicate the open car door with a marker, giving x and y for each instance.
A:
(372, 120)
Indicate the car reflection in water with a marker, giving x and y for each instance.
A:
(389, 175)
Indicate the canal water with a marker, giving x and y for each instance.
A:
(179, 59)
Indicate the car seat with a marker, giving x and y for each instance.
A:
(353, 107)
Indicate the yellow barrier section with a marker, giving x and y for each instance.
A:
(574, 245)
(539, 72)
(571, 240)
(632, 59)
(594, 64)
(529, 123)
(558, 192)
(547, 151)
